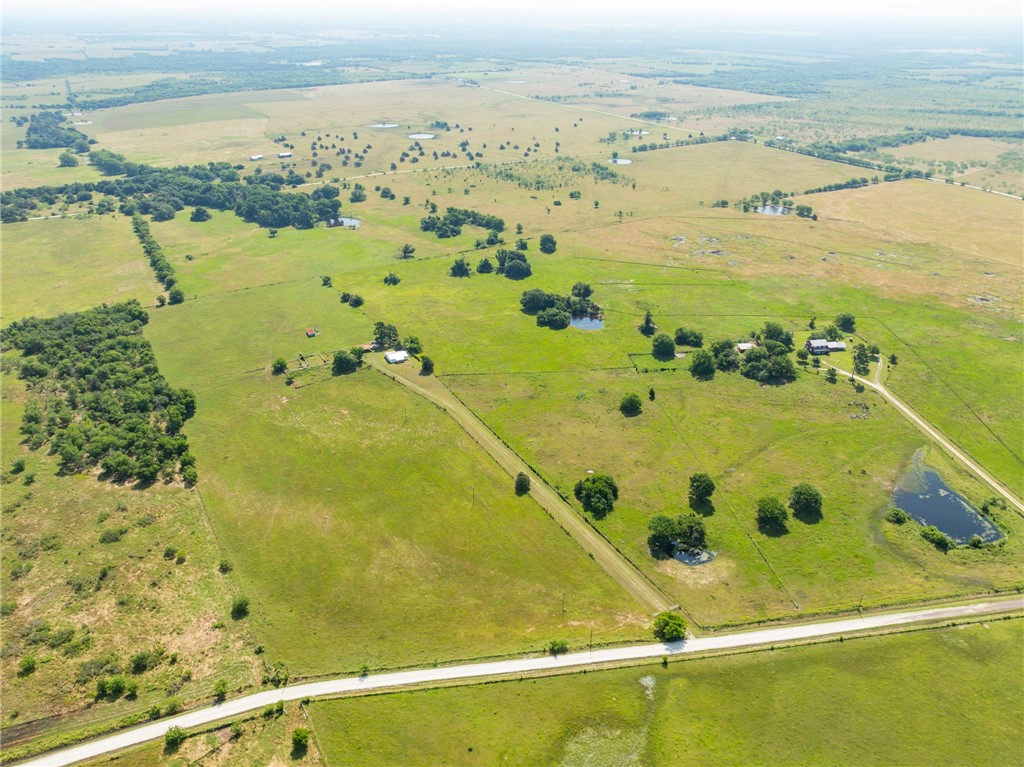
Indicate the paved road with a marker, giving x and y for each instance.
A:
(397, 680)
(935, 434)
(592, 542)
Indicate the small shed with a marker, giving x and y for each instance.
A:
(283, 155)
(310, 332)
(837, 346)
(746, 346)
(255, 157)
(396, 358)
(817, 346)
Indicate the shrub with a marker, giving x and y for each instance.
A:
(897, 516)
(558, 647)
(113, 535)
(220, 689)
(300, 740)
(631, 405)
(225, 566)
(279, 366)
(937, 538)
(668, 627)
(460, 268)
(485, 266)
(173, 738)
(176, 296)
(355, 301)
(239, 608)
(27, 665)
(172, 706)
(200, 214)
(426, 366)
(547, 244)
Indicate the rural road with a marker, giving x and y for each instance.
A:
(396, 680)
(934, 433)
(617, 566)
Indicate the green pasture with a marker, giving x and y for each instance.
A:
(70, 264)
(880, 700)
(337, 480)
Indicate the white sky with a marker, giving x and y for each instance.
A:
(732, 12)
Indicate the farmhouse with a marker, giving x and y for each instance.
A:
(837, 346)
(817, 346)
(255, 157)
(396, 357)
(282, 155)
(746, 346)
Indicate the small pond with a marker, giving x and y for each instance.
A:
(383, 125)
(772, 210)
(930, 501)
(620, 161)
(694, 558)
(586, 323)
(422, 136)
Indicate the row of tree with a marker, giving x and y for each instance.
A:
(97, 396)
(162, 269)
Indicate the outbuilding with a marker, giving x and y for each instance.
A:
(746, 346)
(282, 155)
(837, 346)
(255, 157)
(310, 332)
(396, 357)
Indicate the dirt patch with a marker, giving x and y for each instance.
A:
(717, 571)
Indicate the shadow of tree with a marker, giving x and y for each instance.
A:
(705, 508)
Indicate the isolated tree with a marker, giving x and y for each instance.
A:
(631, 405)
(663, 347)
(392, 279)
(344, 363)
(355, 301)
(220, 689)
(771, 512)
(805, 501)
(426, 366)
(200, 214)
(239, 608)
(648, 328)
(547, 244)
(326, 281)
(701, 488)
(67, 160)
(669, 627)
(176, 296)
(846, 322)
(300, 740)
(597, 493)
(460, 268)
(173, 738)
(485, 266)
(406, 251)
(802, 354)
(831, 376)
(582, 290)
(702, 364)
(688, 337)
(412, 345)
(279, 366)
(522, 484)
(892, 359)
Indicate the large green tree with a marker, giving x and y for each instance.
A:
(669, 627)
(805, 502)
(597, 493)
(701, 488)
(663, 347)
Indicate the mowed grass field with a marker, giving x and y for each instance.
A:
(70, 264)
(882, 700)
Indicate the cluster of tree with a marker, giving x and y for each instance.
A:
(97, 396)
(598, 494)
(689, 337)
(512, 263)
(804, 500)
(450, 225)
(162, 192)
(667, 535)
(769, 362)
(46, 130)
(555, 311)
(162, 269)
(776, 198)
(862, 356)
(651, 114)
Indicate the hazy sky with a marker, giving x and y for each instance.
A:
(734, 13)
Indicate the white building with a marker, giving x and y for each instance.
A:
(396, 357)
(255, 157)
(282, 155)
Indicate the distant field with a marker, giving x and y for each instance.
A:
(72, 264)
(956, 148)
(863, 702)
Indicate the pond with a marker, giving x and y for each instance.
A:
(586, 323)
(694, 558)
(620, 161)
(924, 495)
(772, 210)
(383, 125)
(422, 136)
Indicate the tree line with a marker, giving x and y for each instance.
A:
(450, 225)
(97, 397)
(162, 192)
(46, 130)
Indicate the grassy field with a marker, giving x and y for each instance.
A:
(71, 264)
(880, 700)
(74, 599)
